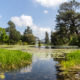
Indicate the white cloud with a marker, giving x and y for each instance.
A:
(24, 20)
(40, 31)
(46, 11)
(50, 3)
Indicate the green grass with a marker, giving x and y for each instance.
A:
(72, 60)
(13, 59)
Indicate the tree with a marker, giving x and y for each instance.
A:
(28, 36)
(68, 21)
(79, 40)
(3, 36)
(14, 35)
(46, 38)
(69, 17)
(74, 40)
(55, 39)
(39, 43)
(28, 31)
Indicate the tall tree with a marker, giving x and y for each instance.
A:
(28, 30)
(68, 21)
(28, 36)
(69, 17)
(46, 38)
(14, 35)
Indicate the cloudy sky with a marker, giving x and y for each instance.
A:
(38, 14)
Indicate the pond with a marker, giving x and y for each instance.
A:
(43, 67)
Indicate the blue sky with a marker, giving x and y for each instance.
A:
(39, 14)
(10, 8)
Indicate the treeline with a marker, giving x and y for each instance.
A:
(67, 30)
(10, 35)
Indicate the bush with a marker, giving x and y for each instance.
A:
(25, 43)
(74, 40)
(19, 42)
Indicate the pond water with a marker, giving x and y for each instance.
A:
(43, 67)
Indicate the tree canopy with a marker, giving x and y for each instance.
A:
(28, 36)
(14, 35)
(68, 23)
(3, 36)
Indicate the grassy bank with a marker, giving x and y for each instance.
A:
(72, 61)
(13, 59)
(69, 65)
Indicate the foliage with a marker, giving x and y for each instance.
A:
(39, 43)
(46, 38)
(57, 40)
(68, 23)
(74, 40)
(79, 40)
(12, 59)
(3, 36)
(25, 43)
(28, 36)
(14, 35)
(28, 31)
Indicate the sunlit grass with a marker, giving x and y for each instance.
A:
(72, 60)
(12, 59)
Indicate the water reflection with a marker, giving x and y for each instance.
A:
(42, 68)
(26, 69)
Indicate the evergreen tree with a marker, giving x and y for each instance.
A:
(46, 38)
(28, 36)
(28, 30)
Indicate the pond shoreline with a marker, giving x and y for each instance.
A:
(13, 59)
(63, 74)
(56, 54)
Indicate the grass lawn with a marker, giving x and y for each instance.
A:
(13, 59)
